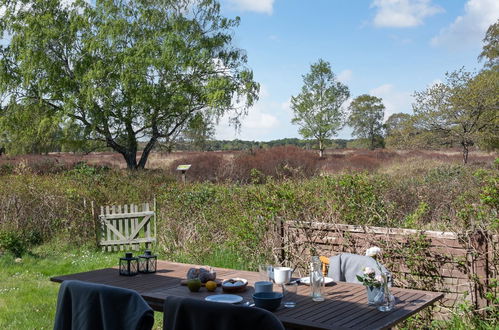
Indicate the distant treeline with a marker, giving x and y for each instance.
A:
(214, 145)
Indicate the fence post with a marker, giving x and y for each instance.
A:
(479, 244)
(280, 232)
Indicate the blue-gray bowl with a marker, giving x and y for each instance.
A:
(267, 300)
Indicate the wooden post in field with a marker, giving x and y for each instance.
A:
(479, 245)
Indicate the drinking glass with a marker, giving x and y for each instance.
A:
(290, 290)
(265, 272)
(282, 275)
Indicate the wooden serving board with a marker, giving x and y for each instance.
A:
(184, 282)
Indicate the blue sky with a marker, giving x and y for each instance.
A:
(386, 48)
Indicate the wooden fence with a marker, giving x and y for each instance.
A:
(463, 266)
(126, 227)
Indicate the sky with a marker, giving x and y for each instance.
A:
(385, 48)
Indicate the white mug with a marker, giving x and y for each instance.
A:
(263, 286)
(282, 275)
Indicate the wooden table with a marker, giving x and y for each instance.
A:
(345, 306)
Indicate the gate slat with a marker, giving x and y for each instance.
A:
(126, 222)
(120, 226)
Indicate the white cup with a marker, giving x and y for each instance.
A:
(282, 275)
(263, 286)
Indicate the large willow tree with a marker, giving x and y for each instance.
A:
(126, 70)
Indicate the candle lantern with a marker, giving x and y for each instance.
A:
(147, 262)
(129, 265)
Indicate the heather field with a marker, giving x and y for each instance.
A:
(220, 165)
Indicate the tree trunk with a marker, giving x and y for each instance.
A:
(145, 153)
(465, 153)
(131, 159)
(321, 149)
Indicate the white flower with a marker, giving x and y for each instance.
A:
(379, 278)
(373, 251)
(368, 271)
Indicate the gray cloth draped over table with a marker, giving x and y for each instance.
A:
(83, 305)
(345, 266)
(193, 314)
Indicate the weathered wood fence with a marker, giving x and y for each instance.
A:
(125, 227)
(462, 265)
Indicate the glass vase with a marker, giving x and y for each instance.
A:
(387, 301)
(373, 295)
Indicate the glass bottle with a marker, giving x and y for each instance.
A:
(316, 279)
(387, 299)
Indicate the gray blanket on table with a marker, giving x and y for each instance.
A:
(194, 314)
(83, 305)
(345, 266)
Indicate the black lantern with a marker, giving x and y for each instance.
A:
(129, 265)
(147, 262)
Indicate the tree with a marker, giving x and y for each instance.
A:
(366, 118)
(318, 108)
(199, 131)
(464, 107)
(125, 70)
(490, 50)
(29, 129)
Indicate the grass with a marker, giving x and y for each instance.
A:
(28, 298)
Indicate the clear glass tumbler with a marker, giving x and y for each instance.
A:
(290, 294)
(266, 272)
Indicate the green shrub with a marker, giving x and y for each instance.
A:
(11, 241)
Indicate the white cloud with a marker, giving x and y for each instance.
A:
(395, 101)
(255, 126)
(469, 29)
(259, 122)
(403, 13)
(260, 6)
(345, 76)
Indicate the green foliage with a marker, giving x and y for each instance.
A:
(366, 118)
(12, 242)
(198, 131)
(412, 219)
(490, 51)
(463, 108)
(317, 109)
(29, 129)
(125, 70)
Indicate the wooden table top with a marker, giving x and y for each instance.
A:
(345, 306)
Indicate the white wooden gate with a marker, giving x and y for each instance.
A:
(126, 227)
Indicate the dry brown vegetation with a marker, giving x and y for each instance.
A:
(248, 166)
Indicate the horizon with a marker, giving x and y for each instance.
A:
(385, 48)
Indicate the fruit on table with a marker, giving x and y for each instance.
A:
(211, 285)
(203, 274)
(194, 284)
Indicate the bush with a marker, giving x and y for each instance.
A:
(11, 241)
(278, 162)
(204, 167)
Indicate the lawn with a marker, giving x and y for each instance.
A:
(27, 296)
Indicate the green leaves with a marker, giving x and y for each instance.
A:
(317, 109)
(127, 70)
(464, 108)
(366, 117)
